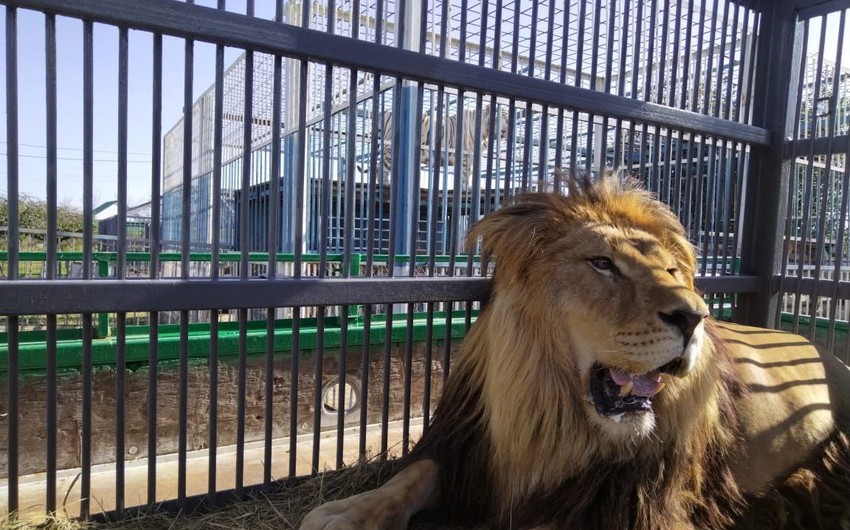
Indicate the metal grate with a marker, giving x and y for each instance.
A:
(303, 282)
(815, 253)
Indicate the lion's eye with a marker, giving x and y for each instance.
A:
(603, 264)
(673, 271)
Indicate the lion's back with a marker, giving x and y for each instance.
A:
(795, 397)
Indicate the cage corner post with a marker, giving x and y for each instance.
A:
(767, 182)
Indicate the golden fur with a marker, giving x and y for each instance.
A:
(747, 419)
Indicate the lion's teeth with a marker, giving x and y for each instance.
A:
(626, 389)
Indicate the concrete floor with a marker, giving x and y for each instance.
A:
(32, 488)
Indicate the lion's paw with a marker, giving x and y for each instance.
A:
(371, 510)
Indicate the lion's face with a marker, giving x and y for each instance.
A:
(631, 315)
(607, 274)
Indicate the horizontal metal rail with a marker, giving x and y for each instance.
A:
(813, 287)
(28, 297)
(815, 8)
(818, 146)
(81, 296)
(232, 29)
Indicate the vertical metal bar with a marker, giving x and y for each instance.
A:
(582, 20)
(244, 265)
(370, 245)
(120, 373)
(609, 66)
(301, 138)
(88, 154)
(51, 153)
(301, 177)
(515, 37)
(698, 59)
(323, 245)
(240, 402)
(652, 171)
(156, 155)
(364, 376)
(415, 182)
(414, 220)
(742, 156)
(429, 356)
(13, 414)
(635, 72)
(708, 200)
(186, 213)
(387, 366)
(674, 66)
(274, 223)
(748, 105)
(444, 20)
(85, 414)
(825, 184)
(245, 193)
(722, 174)
(218, 129)
(50, 425)
(808, 184)
(742, 64)
(709, 70)
(475, 212)
(185, 241)
(686, 63)
(729, 96)
(88, 217)
(550, 32)
(621, 82)
(293, 389)
(348, 238)
(510, 152)
(120, 266)
(721, 60)
(153, 371)
(845, 186)
(408, 381)
(464, 13)
(123, 72)
(13, 243)
(562, 78)
(391, 262)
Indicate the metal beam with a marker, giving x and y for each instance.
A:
(38, 297)
(232, 29)
(815, 8)
(821, 288)
(28, 297)
(779, 56)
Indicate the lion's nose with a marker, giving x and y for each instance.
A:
(685, 320)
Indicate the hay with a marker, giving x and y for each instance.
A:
(278, 508)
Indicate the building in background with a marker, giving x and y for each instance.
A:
(352, 157)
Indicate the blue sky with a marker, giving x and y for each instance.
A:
(31, 103)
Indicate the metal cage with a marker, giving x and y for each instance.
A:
(300, 279)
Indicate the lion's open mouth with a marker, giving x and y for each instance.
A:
(615, 392)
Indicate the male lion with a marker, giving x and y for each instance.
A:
(594, 391)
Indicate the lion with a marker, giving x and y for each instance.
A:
(596, 391)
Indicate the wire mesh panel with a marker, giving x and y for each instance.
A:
(290, 293)
(815, 251)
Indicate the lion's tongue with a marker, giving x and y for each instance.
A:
(646, 385)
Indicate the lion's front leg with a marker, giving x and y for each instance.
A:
(389, 507)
